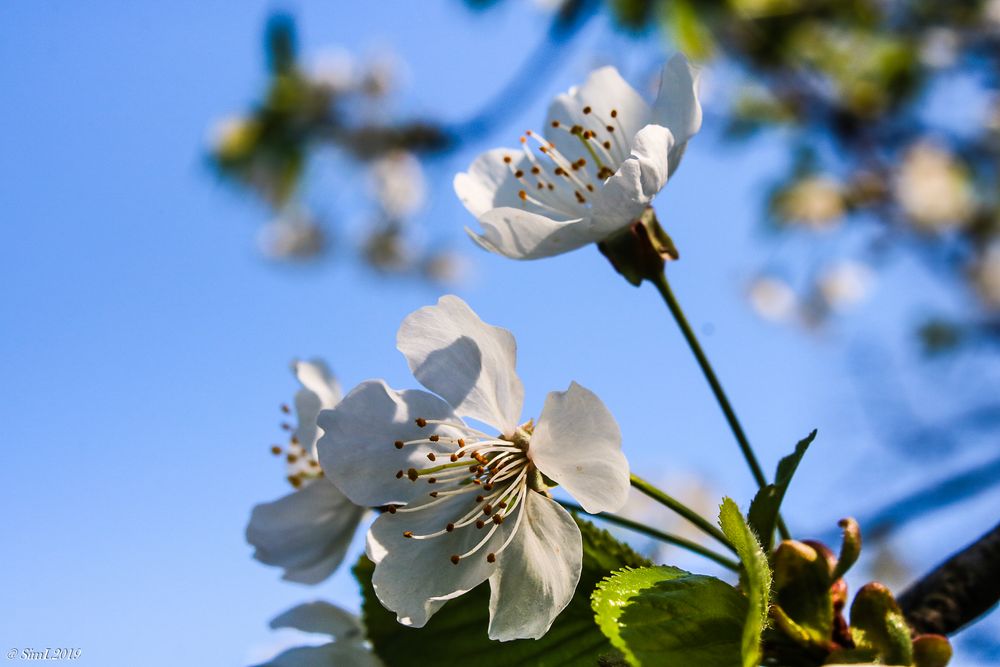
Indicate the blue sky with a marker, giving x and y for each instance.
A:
(144, 344)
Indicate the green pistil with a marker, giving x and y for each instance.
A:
(590, 149)
(443, 466)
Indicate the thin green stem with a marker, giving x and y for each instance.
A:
(681, 509)
(676, 540)
(713, 381)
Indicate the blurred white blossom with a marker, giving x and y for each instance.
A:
(815, 201)
(772, 298)
(336, 70)
(293, 235)
(398, 184)
(845, 284)
(939, 47)
(381, 73)
(934, 189)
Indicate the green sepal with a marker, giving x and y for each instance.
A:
(641, 250)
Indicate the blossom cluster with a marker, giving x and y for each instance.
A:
(461, 484)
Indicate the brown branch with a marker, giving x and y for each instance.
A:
(958, 591)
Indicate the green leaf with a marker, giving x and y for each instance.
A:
(457, 632)
(757, 578)
(763, 513)
(666, 617)
(878, 624)
(610, 596)
(690, 34)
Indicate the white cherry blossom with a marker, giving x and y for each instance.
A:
(934, 189)
(466, 505)
(348, 648)
(306, 532)
(294, 235)
(604, 155)
(845, 284)
(398, 183)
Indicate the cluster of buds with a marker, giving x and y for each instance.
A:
(810, 597)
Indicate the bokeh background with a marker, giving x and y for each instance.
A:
(148, 321)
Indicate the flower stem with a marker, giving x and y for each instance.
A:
(681, 509)
(676, 540)
(720, 395)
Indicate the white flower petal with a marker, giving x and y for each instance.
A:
(413, 577)
(537, 573)
(520, 234)
(356, 450)
(577, 443)
(467, 362)
(315, 376)
(307, 407)
(341, 654)
(490, 182)
(306, 532)
(677, 107)
(636, 183)
(603, 91)
(320, 617)
(319, 390)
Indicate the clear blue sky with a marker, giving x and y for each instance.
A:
(144, 344)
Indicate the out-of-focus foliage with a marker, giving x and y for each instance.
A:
(268, 148)
(337, 104)
(342, 107)
(850, 81)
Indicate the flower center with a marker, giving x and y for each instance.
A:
(562, 181)
(493, 472)
(302, 465)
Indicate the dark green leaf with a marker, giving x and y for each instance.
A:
(665, 617)
(457, 632)
(280, 43)
(763, 513)
(757, 578)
